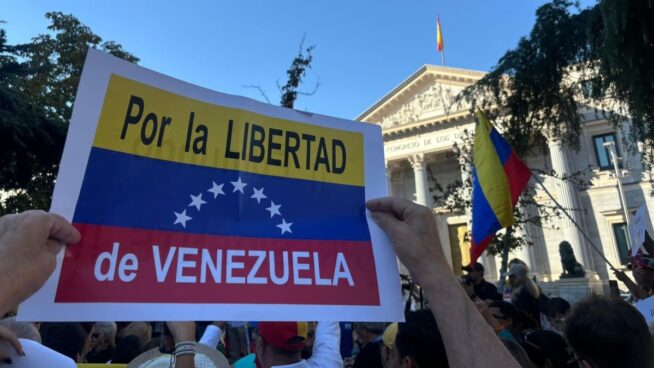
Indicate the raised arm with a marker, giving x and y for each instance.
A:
(412, 231)
(326, 348)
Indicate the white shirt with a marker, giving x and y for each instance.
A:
(211, 336)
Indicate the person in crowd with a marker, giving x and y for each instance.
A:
(237, 340)
(183, 334)
(506, 315)
(415, 343)
(554, 312)
(23, 330)
(142, 330)
(548, 349)
(608, 333)
(67, 338)
(525, 293)
(413, 234)
(127, 348)
(279, 344)
(483, 289)
(637, 293)
(311, 338)
(368, 336)
(103, 342)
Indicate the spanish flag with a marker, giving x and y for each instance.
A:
(439, 35)
(499, 177)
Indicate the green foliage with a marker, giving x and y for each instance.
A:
(38, 82)
(624, 42)
(56, 59)
(538, 86)
(295, 74)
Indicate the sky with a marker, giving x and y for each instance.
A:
(363, 48)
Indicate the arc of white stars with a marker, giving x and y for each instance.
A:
(285, 226)
(197, 201)
(238, 185)
(216, 189)
(181, 218)
(274, 209)
(258, 195)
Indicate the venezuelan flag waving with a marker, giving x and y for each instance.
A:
(499, 177)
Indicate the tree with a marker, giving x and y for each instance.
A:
(295, 73)
(38, 81)
(56, 60)
(30, 142)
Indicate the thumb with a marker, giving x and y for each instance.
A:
(385, 220)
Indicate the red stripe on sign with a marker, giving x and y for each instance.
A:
(125, 265)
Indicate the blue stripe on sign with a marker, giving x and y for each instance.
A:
(120, 189)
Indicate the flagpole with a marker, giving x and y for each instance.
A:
(443, 57)
(565, 212)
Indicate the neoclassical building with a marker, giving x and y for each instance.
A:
(420, 123)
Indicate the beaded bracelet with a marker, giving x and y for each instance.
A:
(185, 347)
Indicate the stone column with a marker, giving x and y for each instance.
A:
(422, 184)
(568, 199)
(389, 181)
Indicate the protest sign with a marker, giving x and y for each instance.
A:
(637, 230)
(197, 205)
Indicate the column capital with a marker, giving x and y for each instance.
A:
(417, 161)
(553, 136)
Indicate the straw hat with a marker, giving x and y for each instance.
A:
(205, 357)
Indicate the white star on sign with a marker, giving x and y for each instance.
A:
(197, 201)
(238, 185)
(216, 189)
(258, 195)
(181, 218)
(274, 209)
(285, 226)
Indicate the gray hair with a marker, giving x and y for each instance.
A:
(107, 329)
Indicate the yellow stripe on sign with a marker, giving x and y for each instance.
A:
(146, 121)
(490, 173)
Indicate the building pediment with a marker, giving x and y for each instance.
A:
(427, 95)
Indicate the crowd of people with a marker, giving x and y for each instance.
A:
(466, 322)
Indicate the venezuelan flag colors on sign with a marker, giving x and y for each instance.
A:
(499, 177)
(189, 198)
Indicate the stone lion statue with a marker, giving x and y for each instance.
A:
(571, 268)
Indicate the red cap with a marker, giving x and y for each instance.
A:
(284, 335)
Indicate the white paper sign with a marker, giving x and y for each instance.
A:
(637, 230)
(36, 355)
(197, 205)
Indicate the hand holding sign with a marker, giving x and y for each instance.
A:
(29, 242)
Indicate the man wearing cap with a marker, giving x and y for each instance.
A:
(279, 344)
(484, 290)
